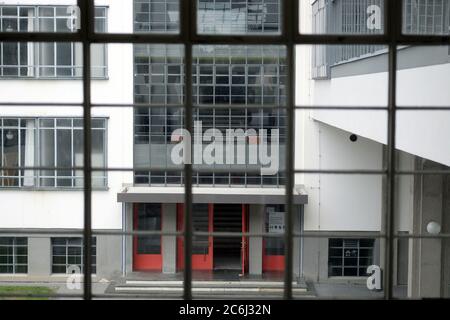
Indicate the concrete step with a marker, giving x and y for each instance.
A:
(207, 290)
(212, 283)
(216, 288)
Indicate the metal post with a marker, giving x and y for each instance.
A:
(87, 16)
(393, 18)
(188, 20)
(290, 11)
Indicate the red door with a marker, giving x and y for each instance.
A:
(244, 248)
(273, 247)
(147, 253)
(202, 246)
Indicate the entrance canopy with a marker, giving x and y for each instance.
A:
(211, 195)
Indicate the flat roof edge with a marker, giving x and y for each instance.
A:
(161, 197)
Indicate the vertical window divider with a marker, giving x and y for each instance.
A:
(37, 154)
(19, 151)
(55, 155)
(87, 18)
(188, 29)
(290, 14)
(72, 141)
(393, 14)
(2, 152)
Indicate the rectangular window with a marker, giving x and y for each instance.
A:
(426, 17)
(350, 257)
(343, 17)
(222, 75)
(239, 17)
(47, 59)
(148, 217)
(13, 255)
(159, 16)
(49, 142)
(67, 255)
(239, 75)
(351, 17)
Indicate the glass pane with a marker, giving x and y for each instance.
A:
(146, 16)
(159, 16)
(239, 75)
(426, 17)
(239, 17)
(165, 65)
(342, 17)
(148, 218)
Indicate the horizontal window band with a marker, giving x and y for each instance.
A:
(299, 39)
(318, 234)
(344, 172)
(305, 234)
(218, 106)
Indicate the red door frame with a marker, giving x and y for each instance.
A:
(271, 262)
(199, 261)
(244, 247)
(145, 262)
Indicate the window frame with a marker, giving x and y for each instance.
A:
(290, 37)
(67, 248)
(37, 132)
(34, 49)
(13, 246)
(343, 257)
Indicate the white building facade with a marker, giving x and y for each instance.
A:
(137, 96)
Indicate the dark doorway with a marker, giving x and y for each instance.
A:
(227, 250)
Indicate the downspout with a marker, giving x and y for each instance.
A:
(124, 221)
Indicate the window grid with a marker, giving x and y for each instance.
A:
(239, 17)
(222, 120)
(420, 17)
(262, 78)
(28, 59)
(350, 257)
(67, 255)
(13, 255)
(146, 16)
(392, 37)
(21, 145)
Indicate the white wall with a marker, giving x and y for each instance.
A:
(341, 202)
(64, 209)
(404, 201)
(422, 133)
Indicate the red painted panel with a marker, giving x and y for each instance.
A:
(145, 262)
(244, 247)
(272, 262)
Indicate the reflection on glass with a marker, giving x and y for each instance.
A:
(238, 17)
(67, 255)
(49, 142)
(426, 17)
(159, 16)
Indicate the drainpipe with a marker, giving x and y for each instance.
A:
(124, 222)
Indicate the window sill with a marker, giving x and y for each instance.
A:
(51, 78)
(349, 279)
(56, 189)
(66, 275)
